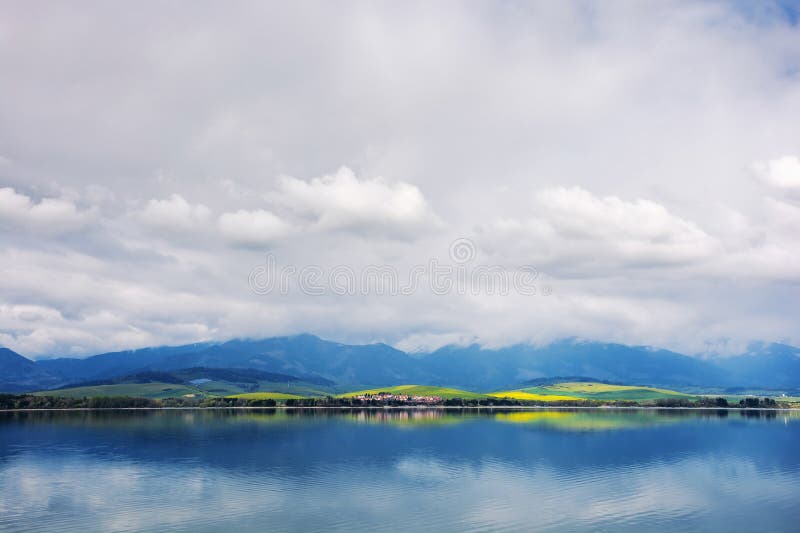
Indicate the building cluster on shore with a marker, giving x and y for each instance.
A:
(400, 398)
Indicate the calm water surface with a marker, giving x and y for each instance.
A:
(399, 470)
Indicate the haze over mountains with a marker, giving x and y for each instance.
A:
(470, 367)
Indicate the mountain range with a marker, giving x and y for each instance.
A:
(473, 367)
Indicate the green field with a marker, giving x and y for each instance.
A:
(215, 388)
(155, 391)
(573, 391)
(225, 388)
(591, 391)
(419, 390)
(266, 396)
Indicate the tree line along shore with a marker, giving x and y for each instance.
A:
(31, 401)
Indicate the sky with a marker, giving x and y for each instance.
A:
(161, 162)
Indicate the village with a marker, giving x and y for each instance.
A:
(387, 397)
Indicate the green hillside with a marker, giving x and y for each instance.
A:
(226, 388)
(593, 391)
(134, 390)
(204, 388)
(197, 382)
(418, 390)
(266, 396)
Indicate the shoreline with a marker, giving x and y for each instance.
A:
(413, 408)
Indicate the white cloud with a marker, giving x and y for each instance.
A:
(771, 252)
(49, 215)
(343, 201)
(575, 229)
(338, 202)
(783, 173)
(253, 228)
(174, 214)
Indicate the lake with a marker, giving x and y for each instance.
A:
(400, 470)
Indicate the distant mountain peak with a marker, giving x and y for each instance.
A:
(472, 366)
(8, 354)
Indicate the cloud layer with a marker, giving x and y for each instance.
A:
(643, 158)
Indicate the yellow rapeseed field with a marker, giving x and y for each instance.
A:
(522, 395)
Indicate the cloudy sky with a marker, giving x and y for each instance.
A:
(641, 156)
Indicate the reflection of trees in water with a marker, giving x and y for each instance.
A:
(568, 419)
(409, 417)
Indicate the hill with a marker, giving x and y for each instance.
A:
(418, 390)
(591, 391)
(152, 390)
(266, 396)
(195, 382)
(149, 387)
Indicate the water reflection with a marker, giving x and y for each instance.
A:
(399, 470)
(567, 419)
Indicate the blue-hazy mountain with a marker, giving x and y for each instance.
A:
(469, 367)
(775, 364)
(18, 373)
(299, 355)
(113, 364)
(486, 369)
